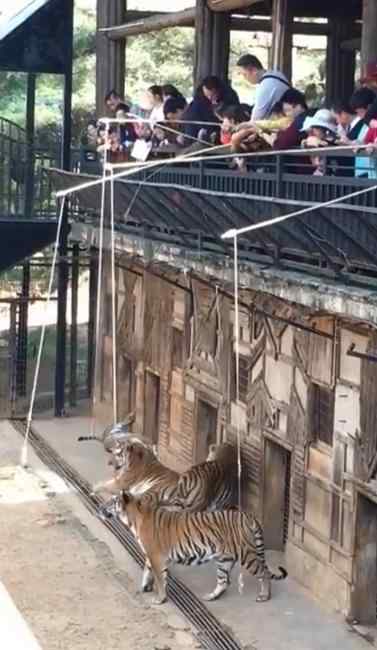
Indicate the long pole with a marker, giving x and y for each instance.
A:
(61, 330)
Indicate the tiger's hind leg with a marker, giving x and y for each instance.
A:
(252, 565)
(264, 589)
(148, 577)
(224, 566)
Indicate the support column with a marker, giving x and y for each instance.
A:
(368, 35)
(12, 359)
(221, 45)
(212, 42)
(282, 37)
(61, 325)
(73, 341)
(340, 63)
(111, 55)
(30, 132)
(93, 284)
(22, 333)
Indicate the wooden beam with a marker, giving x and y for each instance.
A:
(203, 41)
(368, 38)
(110, 55)
(153, 23)
(221, 45)
(282, 43)
(230, 5)
(340, 63)
(212, 42)
(142, 22)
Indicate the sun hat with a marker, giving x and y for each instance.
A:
(322, 118)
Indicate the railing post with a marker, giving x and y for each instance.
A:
(74, 306)
(279, 175)
(22, 334)
(30, 132)
(201, 174)
(12, 359)
(93, 284)
(61, 327)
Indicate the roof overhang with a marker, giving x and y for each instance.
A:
(38, 38)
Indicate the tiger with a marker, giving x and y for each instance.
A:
(226, 536)
(137, 469)
(211, 485)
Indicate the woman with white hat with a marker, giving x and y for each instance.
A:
(321, 129)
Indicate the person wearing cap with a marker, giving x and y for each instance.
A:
(321, 131)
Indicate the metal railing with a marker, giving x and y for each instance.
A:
(26, 190)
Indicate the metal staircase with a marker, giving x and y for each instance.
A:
(27, 204)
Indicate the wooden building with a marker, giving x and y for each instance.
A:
(349, 29)
(308, 327)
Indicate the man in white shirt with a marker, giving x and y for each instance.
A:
(271, 85)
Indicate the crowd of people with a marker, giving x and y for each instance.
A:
(279, 119)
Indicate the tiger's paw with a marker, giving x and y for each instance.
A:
(159, 600)
(214, 595)
(262, 598)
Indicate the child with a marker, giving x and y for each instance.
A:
(231, 117)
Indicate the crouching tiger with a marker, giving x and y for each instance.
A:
(194, 538)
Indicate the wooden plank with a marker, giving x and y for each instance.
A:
(368, 411)
(186, 18)
(110, 56)
(364, 592)
(229, 5)
(368, 36)
(282, 35)
(152, 23)
(340, 63)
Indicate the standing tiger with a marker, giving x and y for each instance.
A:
(167, 537)
(211, 485)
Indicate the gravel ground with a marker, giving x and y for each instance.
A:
(64, 580)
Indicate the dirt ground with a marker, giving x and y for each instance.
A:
(64, 580)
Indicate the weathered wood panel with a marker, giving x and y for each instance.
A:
(368, 410)
(298, 483)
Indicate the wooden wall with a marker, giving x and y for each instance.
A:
(305, 404)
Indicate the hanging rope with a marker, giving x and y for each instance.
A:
(195, 157)
(113, 305)
(238, 428)
(25, 446)
(99, 292)
(231, 234)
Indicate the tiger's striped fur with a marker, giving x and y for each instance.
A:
(137, 470)
(194, 538)
(211, 485)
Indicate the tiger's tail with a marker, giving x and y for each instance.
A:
(89, 438)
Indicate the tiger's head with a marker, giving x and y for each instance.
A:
(130, 454)
(129, 508)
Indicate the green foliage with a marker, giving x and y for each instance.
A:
(162, 57)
